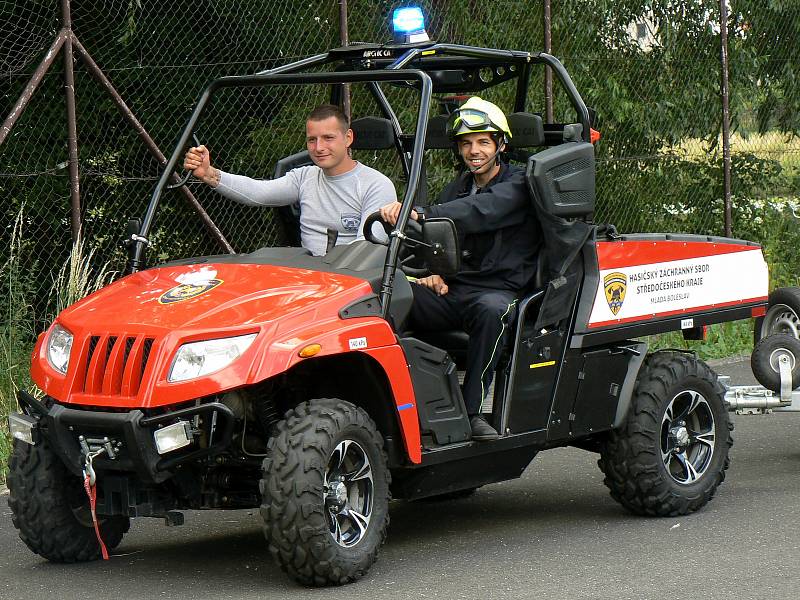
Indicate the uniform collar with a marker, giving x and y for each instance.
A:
(467, 179)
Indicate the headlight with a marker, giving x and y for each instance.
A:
(201, 358)
(23, 428)
(59, 344)
(173, 437)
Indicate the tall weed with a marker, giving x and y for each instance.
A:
(76, 279)
(16, 330)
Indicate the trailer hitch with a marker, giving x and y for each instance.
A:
(756, 398)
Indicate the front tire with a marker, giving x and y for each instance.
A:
(325, 491)
(51, 510)
(671, 453)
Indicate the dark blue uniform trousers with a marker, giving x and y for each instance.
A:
(484, 314)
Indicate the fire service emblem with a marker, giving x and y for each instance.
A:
(615, 286)
(186, 291)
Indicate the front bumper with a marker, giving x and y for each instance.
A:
(131, 432)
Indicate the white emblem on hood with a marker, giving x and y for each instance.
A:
(199, 277)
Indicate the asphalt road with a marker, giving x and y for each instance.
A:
(554, 533)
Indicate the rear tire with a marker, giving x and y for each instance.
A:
(764, 360)
(51, 510)
(671, 452)
(325, 491)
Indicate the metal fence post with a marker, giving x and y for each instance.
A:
(33, 83)
(726, 115)
(344, 34)
(72, 125)
(96, 72)
(548, 74)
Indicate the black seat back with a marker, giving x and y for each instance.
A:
(527, 130)
(561, 183)
(372, 133)
(561, 179)
(436, 137)
(290, 215)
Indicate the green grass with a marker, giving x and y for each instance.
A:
(773, 145)
(15, 334)
(722, 340)
(76, 279)
(15, 374)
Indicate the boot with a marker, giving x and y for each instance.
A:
(481, 430)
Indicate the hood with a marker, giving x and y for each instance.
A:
(126, 334)
(208, 296)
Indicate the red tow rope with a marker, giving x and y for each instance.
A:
(91, 491)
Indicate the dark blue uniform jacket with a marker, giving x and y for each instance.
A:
(497, 227)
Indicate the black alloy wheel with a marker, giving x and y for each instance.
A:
(687, 437)
(348, 492)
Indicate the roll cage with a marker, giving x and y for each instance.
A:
(428, 67)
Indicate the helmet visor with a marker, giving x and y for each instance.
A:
(471, 118)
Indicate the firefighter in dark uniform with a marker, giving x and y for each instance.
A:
(500, 237)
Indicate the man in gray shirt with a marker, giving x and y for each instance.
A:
(337, 193)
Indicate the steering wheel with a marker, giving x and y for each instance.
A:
(407, 255)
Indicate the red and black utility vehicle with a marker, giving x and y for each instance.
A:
(287, 382)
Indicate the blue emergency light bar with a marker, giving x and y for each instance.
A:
(409, 25)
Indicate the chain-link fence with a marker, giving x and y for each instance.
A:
(651, 70)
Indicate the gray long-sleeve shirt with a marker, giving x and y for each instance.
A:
(341, 202)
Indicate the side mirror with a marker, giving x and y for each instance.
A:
(133, 228)
(441, 251)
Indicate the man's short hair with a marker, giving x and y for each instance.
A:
(326, 111)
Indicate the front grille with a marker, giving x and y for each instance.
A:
(113, 365)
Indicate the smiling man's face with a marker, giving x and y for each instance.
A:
(477, 151)
(327, 144)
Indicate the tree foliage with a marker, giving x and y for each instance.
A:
(657, 101)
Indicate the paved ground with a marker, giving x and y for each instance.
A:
(555, 533)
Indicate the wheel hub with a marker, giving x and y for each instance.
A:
(787, 325)
(336, 497)
(679, 435)
(774, 359)
(782, 319)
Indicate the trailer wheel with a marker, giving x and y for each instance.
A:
(671, 453)
(783, 315)
(765, 357)
(325, 491)
(50, 509)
